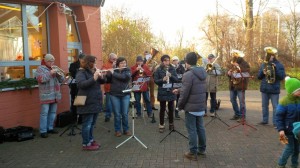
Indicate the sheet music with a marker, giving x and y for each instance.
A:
(240, 75)
(167, 85)
(136, 87)
(177, 85)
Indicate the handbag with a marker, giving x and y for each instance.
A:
(79, 101)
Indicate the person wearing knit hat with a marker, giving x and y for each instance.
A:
(288, 116)
(213, 70)
(138, 71)
(49, 92)
(164, 76)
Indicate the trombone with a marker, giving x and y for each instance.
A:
(209, 66)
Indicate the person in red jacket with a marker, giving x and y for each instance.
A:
(141, 70)
(111, 63)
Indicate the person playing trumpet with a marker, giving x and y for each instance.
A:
(141, 70)
(213, 70)
(238, 86)
(271, 73)
(49, 82)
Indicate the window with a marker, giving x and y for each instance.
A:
(23, 40)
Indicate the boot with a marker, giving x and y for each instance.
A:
(171, 126)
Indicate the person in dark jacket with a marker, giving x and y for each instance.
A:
(179, 71)
(164, 76)
(271, 73)
(120, 79)
(193, 101)
(74, 67)
(238, 84)
(287, 113)
(141, 70)
(88, 83)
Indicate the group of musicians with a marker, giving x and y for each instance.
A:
(167, 76)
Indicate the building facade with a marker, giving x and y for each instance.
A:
(28, 30)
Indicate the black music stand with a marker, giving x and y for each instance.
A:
(173, 129)
(243, 122)
(216, 110)
(133, 135)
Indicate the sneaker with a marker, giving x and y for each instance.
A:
(107, 119)
(235, 117)
(127, 133)
(161, 128)
(118, 134)
(53, 131)
(149, 115)
(94, 143)
(90, 148)
(201, 154)
(263, 123)
(190, 156)
(240, 119)
(212, 114)
(44, 135)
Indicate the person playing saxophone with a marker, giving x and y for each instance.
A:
(271, 73)
(238, 84)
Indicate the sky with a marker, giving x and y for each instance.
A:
(168, 17)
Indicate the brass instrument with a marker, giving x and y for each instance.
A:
(237, 53)
(209, 66)
(58, 71)
(141, 72)
(153, 53)
(269, 68)
(235, 70)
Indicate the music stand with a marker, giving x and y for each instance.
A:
(243, 122)
(133, 134)
(216, 73)
(169, 86)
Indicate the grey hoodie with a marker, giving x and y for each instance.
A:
(193, 91)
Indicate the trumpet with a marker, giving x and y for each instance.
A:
(141, 72)
(58, 71)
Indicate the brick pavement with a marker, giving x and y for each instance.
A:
(239, 147)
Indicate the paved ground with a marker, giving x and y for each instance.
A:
(239, 147)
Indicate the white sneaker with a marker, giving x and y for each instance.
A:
(212, 114)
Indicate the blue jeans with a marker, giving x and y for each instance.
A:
(238, 111)
(120, 106)
(108, 106)
(196, 131)
(137, 97)
(265, 106)
(47, 117)
(291, 149)
(88, 124)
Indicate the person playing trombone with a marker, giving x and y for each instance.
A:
(213, 69)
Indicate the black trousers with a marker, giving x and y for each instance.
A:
(163, 105)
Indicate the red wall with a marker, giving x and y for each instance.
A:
(19, 107)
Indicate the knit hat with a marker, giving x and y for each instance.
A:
(175, 58)
(291, 85)
(49, 57)
(210, 56)
(164, 57)
(81, 55)
(139, 58)
(191, 58)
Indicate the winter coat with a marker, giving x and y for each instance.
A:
(193, 91)
(165, 94)
(108, 65)
(180, 71)
(49, 85)
(243, 84)
(88, 86)
(135, 75)
(272, 88)
(212, 78)
(120, 80)
(287, 112)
